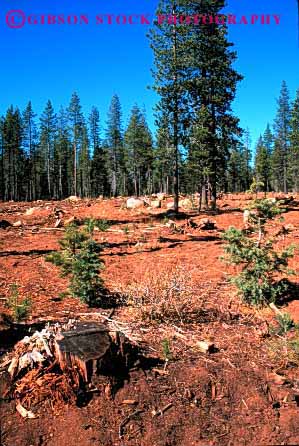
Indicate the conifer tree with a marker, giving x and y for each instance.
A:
(245, 155)
(63, 160)
(98, 177)
(29, 140)
(277, 167)
(213, 82)
(138, 146)
(262, 164)
(234, 171)
(114, 141)
(294, 143)
(282, 131)
(163, 158)
(76, 121)
(48, 131)
(168, 42)
(13, 156)
(2, 182)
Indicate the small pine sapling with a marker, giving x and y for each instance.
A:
(20, 307)
(79, 259)
(255, 254)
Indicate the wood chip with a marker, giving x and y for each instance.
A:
(129, 402)
(160, 371)
(24, 412)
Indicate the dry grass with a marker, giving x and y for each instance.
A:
(164, 295)
(285, 350)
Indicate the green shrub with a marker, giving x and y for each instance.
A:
(79, 259)
(166, 349)
(285, 323)
(101, 225)
(255, 253)
(20, 308)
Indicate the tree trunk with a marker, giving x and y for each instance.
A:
(175, 122)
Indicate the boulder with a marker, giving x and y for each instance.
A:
(170, 205)
(73, 198)
(30, 211)
(156, 204)
(186, 203)
(17, 224)
(134, 203)
(161, 196)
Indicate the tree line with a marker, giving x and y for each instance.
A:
(64, 154)
(198, 146)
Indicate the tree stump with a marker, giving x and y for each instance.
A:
(79, 350)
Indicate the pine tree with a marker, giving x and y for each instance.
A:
(2, 182)
(84, 165)
(199, 156)
(76, 120)
(98, 175)
(277, 166)
(115, 145)
(268, 143)
(163, 158)
(282, 131)
(94, 128)
(29, 140)
(294, 143)
(245, 155)
(168, 43)
(212, 86)
(138, 146)
(13, 156)
(262, 164)
(48, 129)
(62, 158)
(234, 171)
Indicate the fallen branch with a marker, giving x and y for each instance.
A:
(126, 421)
(162, 411)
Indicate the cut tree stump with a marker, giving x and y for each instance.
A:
(78, 350)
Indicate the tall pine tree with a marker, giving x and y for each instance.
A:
(282, 131)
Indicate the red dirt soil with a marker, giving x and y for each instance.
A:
(228, 397)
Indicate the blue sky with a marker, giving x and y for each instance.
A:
(50, 62)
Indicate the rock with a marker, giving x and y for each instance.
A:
(247, 215)
(156, 204)
(17, 224)
(4, 224)
(161, 196)
(72, 198)
(30, 211)
(186, 203)
(134, 203)
(205, 346)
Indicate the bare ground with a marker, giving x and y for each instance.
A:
(228, 397)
